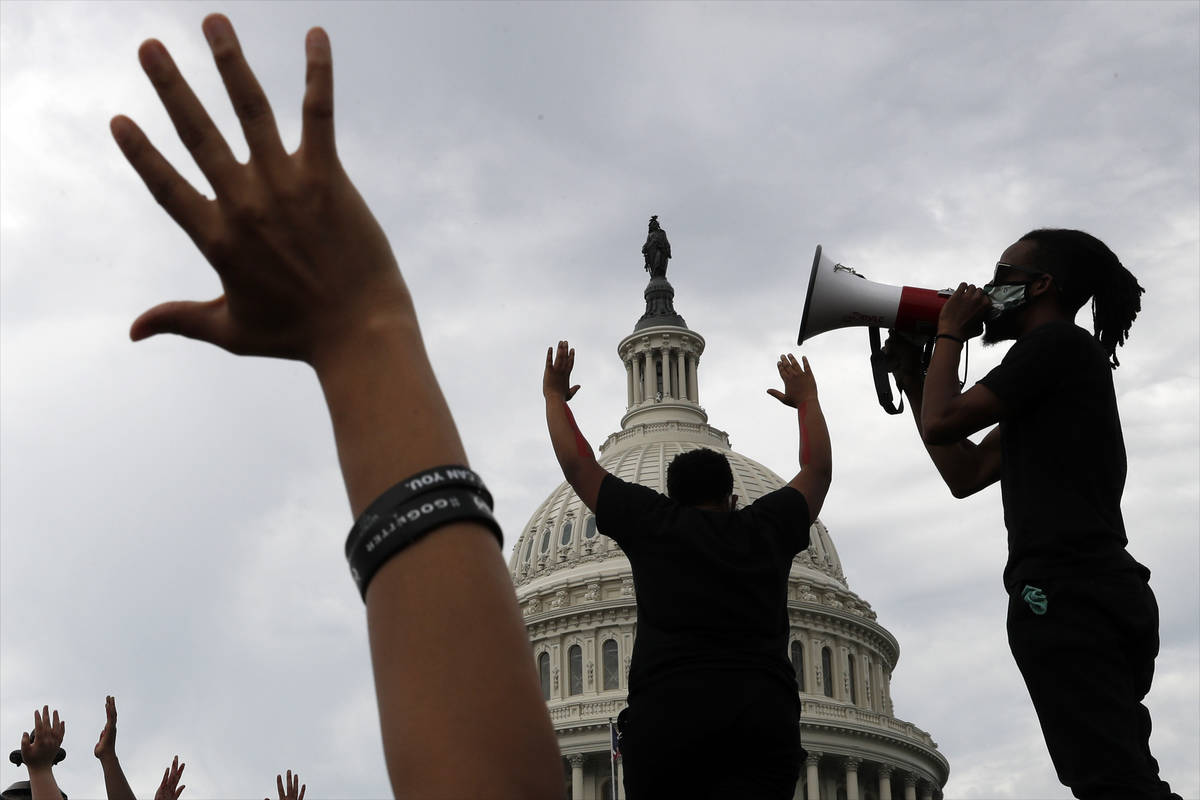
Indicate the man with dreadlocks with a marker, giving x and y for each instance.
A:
(1082, 620)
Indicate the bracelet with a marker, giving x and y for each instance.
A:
(951, 337)
(443, 477)
(388, 535)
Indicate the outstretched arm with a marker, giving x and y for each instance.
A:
(116, 786)
(39, 750)
(308, 274)
(965, 467)
(816, 452)
(574, 454)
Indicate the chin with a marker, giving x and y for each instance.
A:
(998, 330)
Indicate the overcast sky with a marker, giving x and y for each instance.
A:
(172, 517)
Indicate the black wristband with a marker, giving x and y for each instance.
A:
(434, 479)
(951, 337)
(404, 525)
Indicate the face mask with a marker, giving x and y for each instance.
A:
(1006, 297)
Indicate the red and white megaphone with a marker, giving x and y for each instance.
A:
(838, 297)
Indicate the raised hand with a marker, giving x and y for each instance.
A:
(799, 385)
(302, 261)
(964, 313)
(106, 746)
(170, 780)
(902, 358)
(294, 790)
(556, 381)
(39, 747)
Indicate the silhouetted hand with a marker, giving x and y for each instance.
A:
(170, 780)
(556, 381)
(106, 746)
(799, 385)
(964, 313)
(302, 261)
(902, 358)
(294, 790)
(39, 747)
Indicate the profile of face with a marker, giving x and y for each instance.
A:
(1013, 278)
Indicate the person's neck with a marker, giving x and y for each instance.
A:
(1040, 314)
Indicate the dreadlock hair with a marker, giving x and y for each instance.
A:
(699, 477)
(1084, 268)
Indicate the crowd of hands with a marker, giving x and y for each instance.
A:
(41, 749)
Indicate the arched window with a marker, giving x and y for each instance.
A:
(566, 534)
(612, 671)
(589, 529)
(529, 547)
(575, 669)
(544, 674)
(544, 547)
(827, 671)
(606, 792)
(850, 675)
(798, 662)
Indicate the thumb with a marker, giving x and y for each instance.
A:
(778, 395)
(571, 392)
(184, 318)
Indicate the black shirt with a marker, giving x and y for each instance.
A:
(711, 586)
(1063, 456)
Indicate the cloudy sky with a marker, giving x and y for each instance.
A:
(172, 516)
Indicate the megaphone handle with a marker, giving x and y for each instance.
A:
(883, 387)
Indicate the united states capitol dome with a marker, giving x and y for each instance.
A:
(576, 592)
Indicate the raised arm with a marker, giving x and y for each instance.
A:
(116, 786)
(574, 454)
(308, 274)
(40, 749)
(965, 467)
(816, 452)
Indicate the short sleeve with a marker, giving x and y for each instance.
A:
(785, 511)
(1035, 366)
(623, 509)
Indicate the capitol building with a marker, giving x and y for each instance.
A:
(576, 593)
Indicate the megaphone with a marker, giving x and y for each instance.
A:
(839, 297)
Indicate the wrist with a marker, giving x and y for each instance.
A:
(362, 340)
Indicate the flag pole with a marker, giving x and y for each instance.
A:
(612, 757)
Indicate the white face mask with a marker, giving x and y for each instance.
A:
(1007, 297)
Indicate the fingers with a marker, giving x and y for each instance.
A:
(302, 789)
(316, 136)
(110, 710)
(192, 122)
(168, 188)
(249, 101)
(279, 786)
(206, 321)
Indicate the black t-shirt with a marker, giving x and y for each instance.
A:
(1063, 456)
(711, 586)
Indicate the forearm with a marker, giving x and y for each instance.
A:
(816, 451)
(940, 389)
(115, 784)
(570, 447)
(42, 785)
(956, 463)
(454, 675)
(433, 608)
(390, 419)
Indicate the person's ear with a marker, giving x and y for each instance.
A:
(1042, 284)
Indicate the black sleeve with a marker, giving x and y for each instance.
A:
(623, 508)
(1035, 366)
(785, 511)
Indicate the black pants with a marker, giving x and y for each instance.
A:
(1088, 661)
(712, 736)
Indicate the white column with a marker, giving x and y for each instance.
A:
(910, 787)
(885, 782)
(576, 776)
(628, 384)
(666, 368)
(681, 362)
(814, 776)
(648, 381)
(852, 778)
(693, 384)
